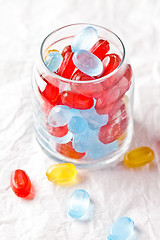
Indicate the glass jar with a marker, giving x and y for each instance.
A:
(103, 115)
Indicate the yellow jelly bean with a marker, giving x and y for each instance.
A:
(61, 173)
(138, 157)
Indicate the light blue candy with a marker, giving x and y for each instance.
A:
(67, 138)
(59, 116)
(93, 118)
(53, 61)
(85, 39)
(99, 149)
(77, 125)
(87, 62)
(78, 203)
(121, 229)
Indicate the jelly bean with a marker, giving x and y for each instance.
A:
(138, 157)
(48, 51)
(99, 149)
(62, 140)
(68, 151)
(67, 66)
(123, 86)
(113, 129)
(20, 183)
(110, 63)
(117, 110)
(77, 125)
(46, 107)
(100, 48)
(53, 60)
(93, 118)
(78, 203)
(59, 116)
(57, 131)
(88, 63)
(58, 100)
(50, 93)
(87, 89)
(85, 39)
(77, 101)
(121, 229)
(128, 72)
(65, 50)
(63, 172)
(105, 109)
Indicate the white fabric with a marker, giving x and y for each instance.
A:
(115, 192)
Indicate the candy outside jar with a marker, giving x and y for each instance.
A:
(83, 96)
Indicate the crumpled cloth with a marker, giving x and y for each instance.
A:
(115, 191)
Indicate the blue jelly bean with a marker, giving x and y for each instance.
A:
(78, 203)
(85, 39)
(93, 118)
(53, 60)
(59, 116)
(77, 125)
(67, 138)
(121, 229)
(87, 62)
(98, 149)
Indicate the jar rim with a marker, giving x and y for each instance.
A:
(86, 81)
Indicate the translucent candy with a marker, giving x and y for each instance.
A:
(59, 116)
(66, 49)
(88, 63)
(99, 149)
(20, 183)
(53, 60)
(84, 39)
(100, 49)
(78, 203)
(93, 118)
(77, 125)
(68, 151)
(121, 229)
(110, 63)
(63, 172)
(138, 157)
(57, 131)
(67, 66)
(77, 101)
(62, 140)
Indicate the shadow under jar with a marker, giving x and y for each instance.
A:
(78, 118)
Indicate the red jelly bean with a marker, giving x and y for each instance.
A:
(117, 110)
(65, 50)
(100, 48)
(87, 89)
(110, 63)
(20, 183)
(77, 101)
(46, 107)
(113, 129)
(57, 131)
(68, 151)
(59, 100)
(67, 66)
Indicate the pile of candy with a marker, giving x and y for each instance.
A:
(85, 117)
(79, 202)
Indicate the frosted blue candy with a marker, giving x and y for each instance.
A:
(88, 63)
(93, 118)
(85, 39)
(53, 60)
(98, 149)
(121, 229)
(77, 125)
(59, 116)
(67, 138)
(78, 203)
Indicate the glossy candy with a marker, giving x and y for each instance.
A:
(100, 49)
(57, 131)
(65, 50)
(77, 101)
(50, 93)
(78, 203)
(88, 63)
(20, 183)
(138, 157)
(53, 60)
(68, 151)
(85, 39)
(63, 172)
(67, 66)
(110, 63)
(121, 229)
(59, 116)
(77, 125)
(62, 140)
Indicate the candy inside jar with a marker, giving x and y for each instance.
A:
(83, 95)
